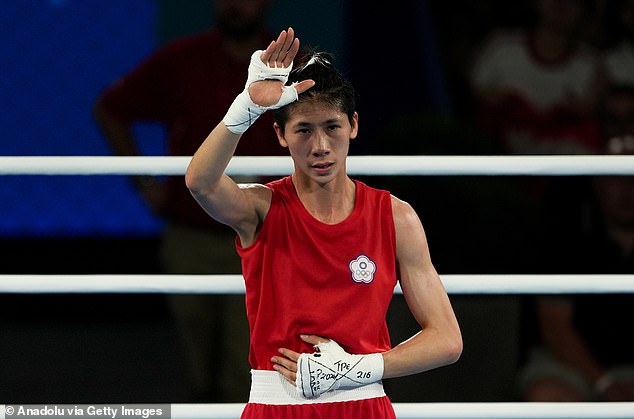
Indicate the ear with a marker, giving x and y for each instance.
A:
(280, 135)
(355, 126)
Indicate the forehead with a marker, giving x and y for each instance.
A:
(314, 112)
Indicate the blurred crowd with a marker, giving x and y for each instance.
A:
(537, 77)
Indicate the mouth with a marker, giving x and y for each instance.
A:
(322, 167)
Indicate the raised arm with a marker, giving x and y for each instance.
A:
(243, 207)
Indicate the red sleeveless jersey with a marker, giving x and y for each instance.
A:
(306, 277)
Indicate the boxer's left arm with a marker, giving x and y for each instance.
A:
(438, 343)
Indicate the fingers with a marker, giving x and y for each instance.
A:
(288, 374)
(282, 51)
(313, 339)
(285, 41)
(286, 364)
(292, 52)
(288, 359)
(302, 86)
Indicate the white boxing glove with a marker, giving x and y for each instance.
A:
(243, 112)
(331, 368)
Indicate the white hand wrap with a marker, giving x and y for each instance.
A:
(243, 112)
(332, 368)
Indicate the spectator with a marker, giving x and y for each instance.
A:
(619, 59)
(536, 89)
(536, 92)
(187, 86)
(580, 356)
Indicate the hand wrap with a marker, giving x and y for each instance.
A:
(243, 112)
(331, 368)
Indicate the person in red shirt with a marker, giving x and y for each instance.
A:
(536, 89)
(574, 357)
(185, 86)
(321, 252)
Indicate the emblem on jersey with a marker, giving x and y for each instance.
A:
(362, 269)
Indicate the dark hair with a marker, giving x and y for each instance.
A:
(330, 86)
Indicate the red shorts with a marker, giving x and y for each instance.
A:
(375, 408)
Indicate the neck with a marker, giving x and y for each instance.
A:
(331, 202)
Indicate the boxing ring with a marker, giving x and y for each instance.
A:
(357, 165)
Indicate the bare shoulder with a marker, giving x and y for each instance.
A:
(256, 201)
(256, 190)
(411, 241)
(404, 215)
(260, 196)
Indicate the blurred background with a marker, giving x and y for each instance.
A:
(425, 73)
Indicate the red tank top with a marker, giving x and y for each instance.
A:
(304, 276)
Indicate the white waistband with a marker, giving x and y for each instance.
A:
(270, 387)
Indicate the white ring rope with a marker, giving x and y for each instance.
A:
(357, 165)
(593, 410)
(234, 284)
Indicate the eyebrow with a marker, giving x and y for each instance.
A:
(310, 124)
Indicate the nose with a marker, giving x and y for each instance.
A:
(321, 145)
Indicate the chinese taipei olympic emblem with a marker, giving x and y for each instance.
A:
(362, 269)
